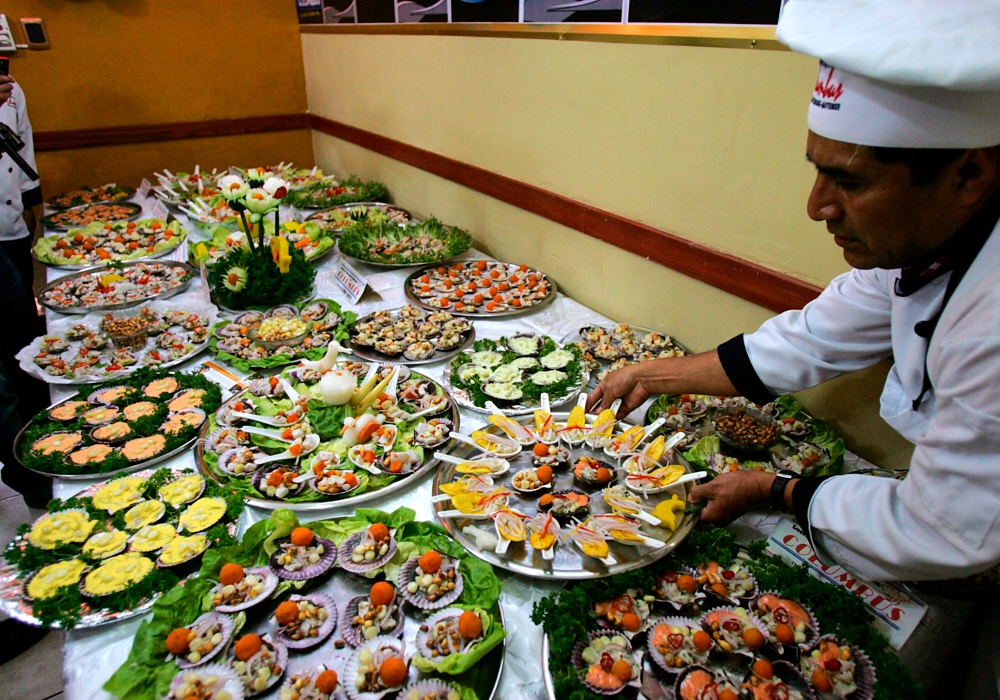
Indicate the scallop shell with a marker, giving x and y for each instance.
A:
(731, 600)
(230, 682)
(312, 485)
(80, 409)
(112, 441)
(190, 499)
(423, 634)
(528, 492)
(791, 676)
(347, 547)
(262, 473)
(406, 575)
(93, 398)
(699, 594)
(751, 618)
(428, 688)
(325, 563)
(227, 629)
(351, 669)
(582, 513)
(248, 318)
(227, 456)
(270, 583)
(654, 653)
(315, 310)
(281, 657)
(282, 311)
(687, 671)
(812, 630)
(164, 565)
(211, 442)
(321, 600)
(864, 671)
(348, 632)
(578, 658)
(197, 411)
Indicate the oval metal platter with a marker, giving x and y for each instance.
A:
(639, 331)
(569, 562)
(153, 256)
(47, 220)
(373, 355)
(321, 214)
(406, 482)
(99, 270)
(411, 295)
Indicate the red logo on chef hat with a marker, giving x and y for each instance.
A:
(829, 89)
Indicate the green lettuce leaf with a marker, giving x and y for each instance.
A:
(454, 664)
(702, 450)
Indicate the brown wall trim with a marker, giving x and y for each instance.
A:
(171, 131)
(772, 290)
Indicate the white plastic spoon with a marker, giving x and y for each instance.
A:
(266, 420)
(309, 443)
(503, 455)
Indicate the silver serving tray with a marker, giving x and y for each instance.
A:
(406, 482)
(104, 269)
(373, 355)
(136, 213)
(575, 336)
(182, 237)
(126, 372)
(408, 290)
(461, 396)
(129, 198)
(12, 601)
(483, 678)
(569, 563)
(101, 475)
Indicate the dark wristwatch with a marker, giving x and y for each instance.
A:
(778, 486)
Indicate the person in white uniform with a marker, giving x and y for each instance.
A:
(20, 197)
(904, 127)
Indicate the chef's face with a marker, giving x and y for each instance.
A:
(876, 214)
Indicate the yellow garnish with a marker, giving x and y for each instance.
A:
(540, 541)
(111, 279)
(577, 418)
(667, 511)
(61, 528)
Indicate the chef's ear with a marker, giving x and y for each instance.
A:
(978, 173)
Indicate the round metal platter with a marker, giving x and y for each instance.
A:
(569, 562)
(102, 475)
(309, 297)
(483, 677)
(408, 290)
(400, 484)
(129, 190)
(605, 364)
(136, 213)
(373, 355)
(97, 271)
(461, 397)
(400, 266)
(124, 373)
(12, 582)
(153, 256)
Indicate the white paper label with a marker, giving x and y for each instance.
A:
(896, 609)
(145, 187)
(351, 281)
(160, 210)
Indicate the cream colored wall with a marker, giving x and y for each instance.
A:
(706, 143)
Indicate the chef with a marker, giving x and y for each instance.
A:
(904, 127)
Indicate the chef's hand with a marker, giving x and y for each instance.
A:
(625, 384)
(732, 494)
(6, 87)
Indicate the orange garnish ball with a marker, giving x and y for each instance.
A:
(702, 641)
(546, 500)
(721, 589)
(247, 646)
(631, 622)
(727, 694)
(231, 574)
(604, 474)
(784, 633)
(382, 593)
(686, 583)
(430, 562)
(326, 682)
(622, 670)
(177, 641)
(762, 669)
(287, 613)
(544, 474)
(378, 531)
(469, 625)
(302, 536)
(821, 681)
(392, 672)
(540, 450)
(753, 638)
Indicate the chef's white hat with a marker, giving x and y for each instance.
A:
(901, 73)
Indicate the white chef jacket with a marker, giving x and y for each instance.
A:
(941, 522)
(14, 113)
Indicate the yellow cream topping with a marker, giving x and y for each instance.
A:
(143, 514)
(51, 578)
(119, 494)
(182, 490)
(61, 528)
(104, 544)
(181, 549)
(202, 514)
(153, 537)
(117, 574)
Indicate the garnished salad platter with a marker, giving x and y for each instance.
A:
(180, 187)
(330, 193)
(310, 641)
(784, 436)
(343, 217)
(410, 335)
(315, 241)
(113, 345)
(565, 495)
(282, 445)
(117, 286)
(413, 244)
(480, 288)
(119, 426)
(513, 373)
(108, 553)
(101, 242)
(90, 195)
(77, 217)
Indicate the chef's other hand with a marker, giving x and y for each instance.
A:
(732, 494)
(625, 384)
(6, 87)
